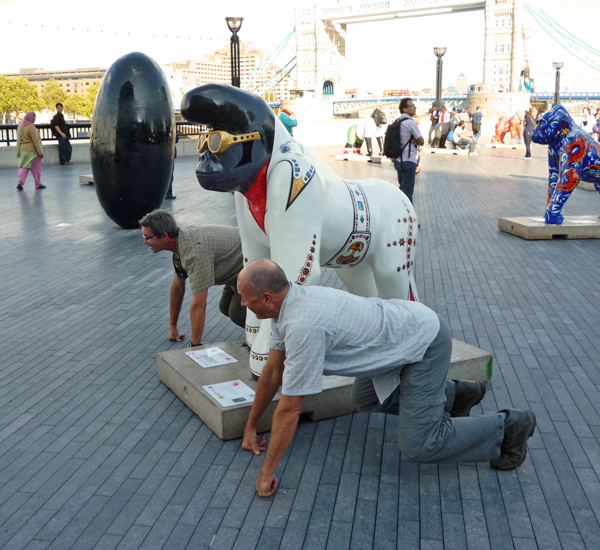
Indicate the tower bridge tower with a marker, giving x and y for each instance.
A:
(320, 50)
(321, 38)
(504, 53)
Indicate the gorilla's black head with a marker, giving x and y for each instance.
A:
(379, 117)
(223, 107)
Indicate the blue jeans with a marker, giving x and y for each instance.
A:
(463, 143)
(64, 150)
(528, 137)
(406, 177)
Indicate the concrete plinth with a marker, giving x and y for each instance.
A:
(186, 378)
(447, 151)
(375, 159)
(86, 180)
(505, 145)
(586, 185)
(534, 228)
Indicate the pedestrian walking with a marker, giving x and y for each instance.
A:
(29, 152)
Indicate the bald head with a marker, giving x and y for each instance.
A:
(263, 286)
(265, 276)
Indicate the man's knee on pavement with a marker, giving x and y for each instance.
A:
(415, 451)
(418, 432)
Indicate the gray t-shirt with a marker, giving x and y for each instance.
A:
(329, 331)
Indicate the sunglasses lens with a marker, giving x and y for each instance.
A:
(214, 142)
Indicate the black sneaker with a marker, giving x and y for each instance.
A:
(468, 394)
(518, 428)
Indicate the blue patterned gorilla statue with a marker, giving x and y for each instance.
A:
(572, 155)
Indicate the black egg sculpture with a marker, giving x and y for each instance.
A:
(133, 139)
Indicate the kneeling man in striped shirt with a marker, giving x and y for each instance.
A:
(398, 351)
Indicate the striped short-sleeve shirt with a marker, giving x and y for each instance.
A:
(329, 331)
(209, 255)
(409, 131)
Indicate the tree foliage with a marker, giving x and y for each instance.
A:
(17, 95)
(91, 99)
(75, 105)
(4, 84)
(93, 92)
(53, 94)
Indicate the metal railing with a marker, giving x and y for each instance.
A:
(82, 130)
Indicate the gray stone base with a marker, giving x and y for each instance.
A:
(527, 228)
(505, 145)
(186, 378)
(375, 159)
(448, 151)
(587, 185)
(86, 180)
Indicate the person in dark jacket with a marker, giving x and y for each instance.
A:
(528, 133)
(60, 130)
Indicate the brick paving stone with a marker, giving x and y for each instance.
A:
(409, 537)
(164, 525)
(454, 532)
(345, 503)
(96, 452)
(320, 520)
(252, 527)
(295, 530)
(364, 524)
(339, 536)
(134, 538)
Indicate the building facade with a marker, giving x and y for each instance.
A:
(74, 81)
(216, 67)
(267, 80)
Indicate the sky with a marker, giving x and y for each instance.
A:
(68, 34)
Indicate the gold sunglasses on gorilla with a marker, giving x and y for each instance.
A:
(218, 141)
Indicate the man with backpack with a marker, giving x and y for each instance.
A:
(405, 158)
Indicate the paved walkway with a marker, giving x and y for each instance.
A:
(96, 453)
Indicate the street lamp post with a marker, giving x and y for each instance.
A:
(439, 52)
(558, 65)
(234, 24)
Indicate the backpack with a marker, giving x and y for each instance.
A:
(392, 148)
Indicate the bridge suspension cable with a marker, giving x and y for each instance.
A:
(262, 89)
(249, 81)
(585, 53)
